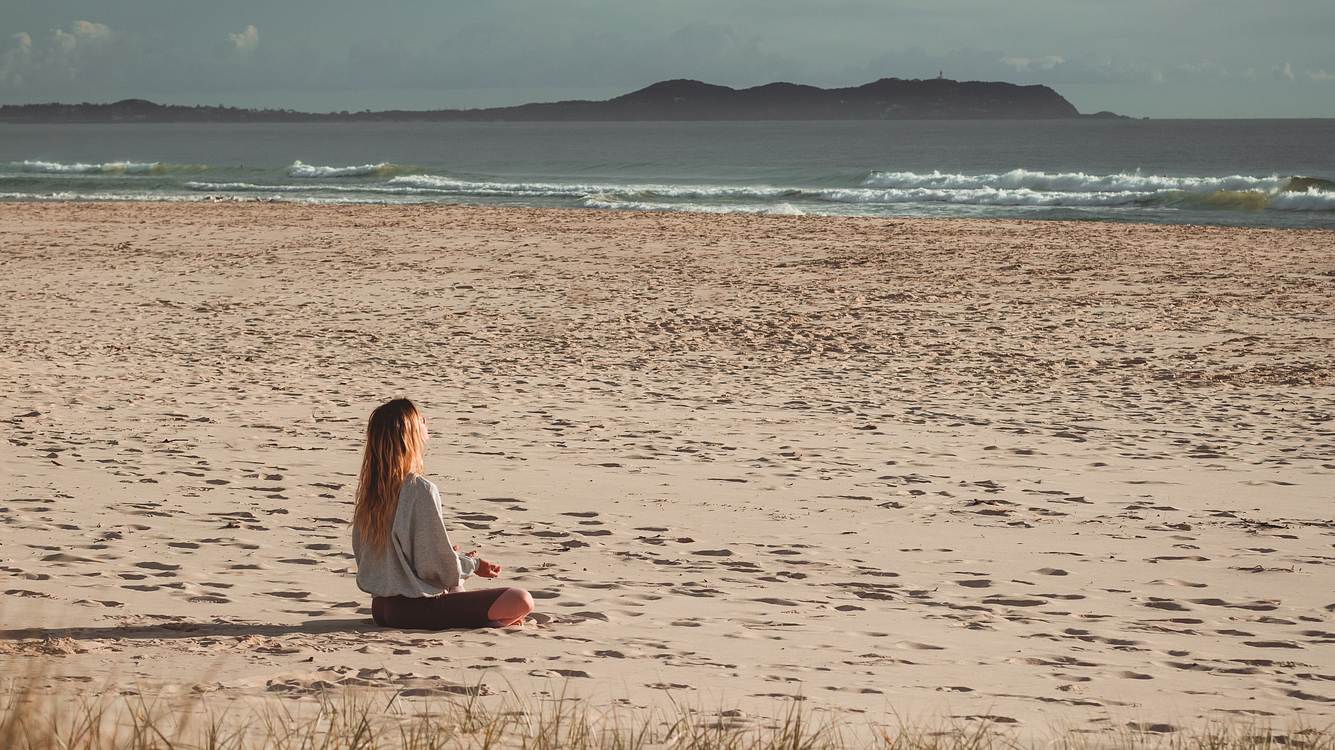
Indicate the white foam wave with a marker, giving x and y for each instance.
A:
(109, 167)
(452, 186)
(199, 198)
(1072, 181)
(1304, 200)
(66, 195)
(769, 199)
(611, 202)
(985, 196)
(249, 187)
(309, 171)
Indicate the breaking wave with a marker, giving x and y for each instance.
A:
(250, 187)
(613, 202)
(451, 186)
(315, 171)
(187, 198)
(1080, 182)
(768, 199)
(1249, 200)
(107, 167)
(1235, 193)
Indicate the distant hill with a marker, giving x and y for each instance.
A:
(886, 99)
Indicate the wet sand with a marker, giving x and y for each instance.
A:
(1055, 474)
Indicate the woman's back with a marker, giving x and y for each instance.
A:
(417, 558)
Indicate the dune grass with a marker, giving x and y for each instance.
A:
(112, 719)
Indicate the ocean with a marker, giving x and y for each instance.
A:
(1278, 173)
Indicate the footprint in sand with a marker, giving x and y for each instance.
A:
(1151, 728)
(62, 557)
(27, 594)
(916, 646)
(168, 569)
(559, 673)
(1167, 604)
(1252, 606)
(1014, 601)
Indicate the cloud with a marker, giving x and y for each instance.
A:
(81, 33)
(1320, 74)
(65, 52)
(245, 41)
(15, 60)
(1285, 72)
(1025, 64)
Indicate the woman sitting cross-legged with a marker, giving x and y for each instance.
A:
(405, 560)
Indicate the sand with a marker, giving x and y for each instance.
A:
(1057, 474)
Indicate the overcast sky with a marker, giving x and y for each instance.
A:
(1161, 58)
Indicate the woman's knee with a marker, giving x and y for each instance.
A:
(512, 604)
(521, 602)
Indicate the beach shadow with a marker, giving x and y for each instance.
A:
(195, 630)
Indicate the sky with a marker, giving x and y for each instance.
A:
(1155, 58)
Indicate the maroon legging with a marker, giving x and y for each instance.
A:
(465, 609)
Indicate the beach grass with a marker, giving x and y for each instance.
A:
(115, 718)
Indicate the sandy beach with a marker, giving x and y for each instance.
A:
(1042, 474)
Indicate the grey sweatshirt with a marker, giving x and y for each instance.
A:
(418, 559)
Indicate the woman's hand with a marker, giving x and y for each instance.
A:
(487, 569)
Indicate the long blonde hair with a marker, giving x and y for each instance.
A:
(393, 451)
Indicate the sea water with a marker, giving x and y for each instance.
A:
(1231, 172)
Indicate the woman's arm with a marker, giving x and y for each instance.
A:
(428, 546)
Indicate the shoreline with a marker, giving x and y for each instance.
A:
(460, 207)
(1057, 472)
